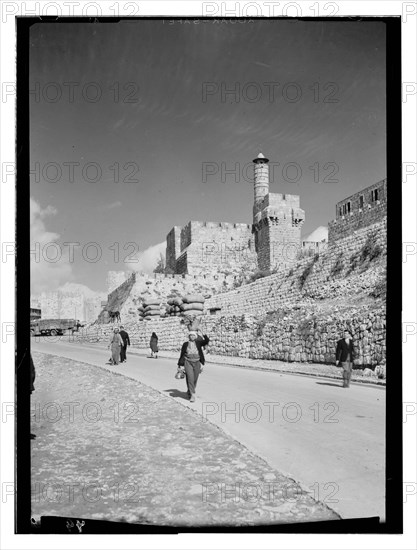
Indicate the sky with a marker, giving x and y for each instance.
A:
(134, 129)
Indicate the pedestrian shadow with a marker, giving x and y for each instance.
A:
(173, 392)
(329, 384)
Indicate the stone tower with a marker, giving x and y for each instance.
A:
(261, 178)
(277, 222)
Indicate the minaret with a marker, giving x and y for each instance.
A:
(261, 178)
(277, 221)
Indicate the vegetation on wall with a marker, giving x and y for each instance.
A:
(307, 270)
(160, 266)
(337, 267)
(371, 249)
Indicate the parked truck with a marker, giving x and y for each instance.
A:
(54, 327)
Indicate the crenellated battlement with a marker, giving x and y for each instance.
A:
(216, 225)
(137, 276)
(209, 247)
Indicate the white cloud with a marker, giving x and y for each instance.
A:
(148, 259)
(49, 265)
(319, 234)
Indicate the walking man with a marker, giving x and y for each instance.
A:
(192, 359)
(344, 355)
(126, 342)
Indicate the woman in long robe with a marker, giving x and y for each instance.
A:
(116, 342)
(153, 344)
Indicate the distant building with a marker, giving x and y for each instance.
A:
(361, 209)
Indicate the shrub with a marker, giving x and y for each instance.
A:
(307, 270)
(380, 290)
(353, 263)
(337, 267)
(371, 249)
(260, 328)
(259, 274)
(305, 324)
(277, 315)
(160, 267)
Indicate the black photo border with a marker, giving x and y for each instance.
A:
(394, 438)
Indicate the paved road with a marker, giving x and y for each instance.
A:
(329, 439)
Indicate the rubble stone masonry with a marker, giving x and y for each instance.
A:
(294, 337)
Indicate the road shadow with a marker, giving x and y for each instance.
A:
(173, 392)
(329, 384)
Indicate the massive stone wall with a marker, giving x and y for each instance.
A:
(211, 248)
(335, 272)
(358, 211)
(297, 335)
(302, 337)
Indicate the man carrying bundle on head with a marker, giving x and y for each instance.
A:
(192, 359)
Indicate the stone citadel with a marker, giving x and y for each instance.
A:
(209, 256)
(272, 242)
(307, 293)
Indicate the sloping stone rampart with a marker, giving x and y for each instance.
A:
(326, 276)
